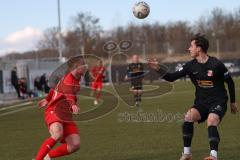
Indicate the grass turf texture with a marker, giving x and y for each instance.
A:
(108, 139)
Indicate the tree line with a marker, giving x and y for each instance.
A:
(85, 35)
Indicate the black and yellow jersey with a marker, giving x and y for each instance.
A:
(135, 72)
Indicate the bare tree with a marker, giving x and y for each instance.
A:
(85, 35)
(49, 40)
(85, 32)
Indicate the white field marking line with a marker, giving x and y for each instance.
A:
(26, 108)
(21, 109)
(15, 106)
(18, 110)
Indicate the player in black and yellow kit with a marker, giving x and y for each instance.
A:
(135, 73)
(208, 75)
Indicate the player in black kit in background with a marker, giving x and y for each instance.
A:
(208, 75)
(135, 74)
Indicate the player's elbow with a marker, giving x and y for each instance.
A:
(230, 82)
(169, 79)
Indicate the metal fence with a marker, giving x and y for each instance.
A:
(116, 73)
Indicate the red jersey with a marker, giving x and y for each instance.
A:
(60, 100)
(67, 89)
(98, 73)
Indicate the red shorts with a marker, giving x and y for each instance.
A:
(97, 85)
(69, 127)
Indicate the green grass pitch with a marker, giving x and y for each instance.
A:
(107, 138)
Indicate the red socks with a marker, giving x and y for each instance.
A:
(45, 148)
(59, 151)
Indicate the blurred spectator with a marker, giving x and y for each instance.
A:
(23, 87)
(87, 78)
(46, 87)
(14, 81)
(25, 93)
(44, 83)
(37, 84)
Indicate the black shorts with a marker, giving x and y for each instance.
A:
(219, 108)
(137, 87)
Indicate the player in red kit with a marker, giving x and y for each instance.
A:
(59, 105)
(98, 75)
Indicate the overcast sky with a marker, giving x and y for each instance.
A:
(23, 21)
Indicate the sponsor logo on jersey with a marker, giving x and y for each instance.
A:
(205, 83)
(210, 73)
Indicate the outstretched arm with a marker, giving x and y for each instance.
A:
(174, 76)
(153, 63)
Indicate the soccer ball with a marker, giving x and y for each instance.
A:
(141, 10)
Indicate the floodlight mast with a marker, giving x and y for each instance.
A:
(59, 32)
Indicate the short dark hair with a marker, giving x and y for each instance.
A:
(74, 61)
(201, 41)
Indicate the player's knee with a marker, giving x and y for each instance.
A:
(74, 146)
(56, 131)
(192, 116)
(213, 120)
(57, 135)
(188, 118)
